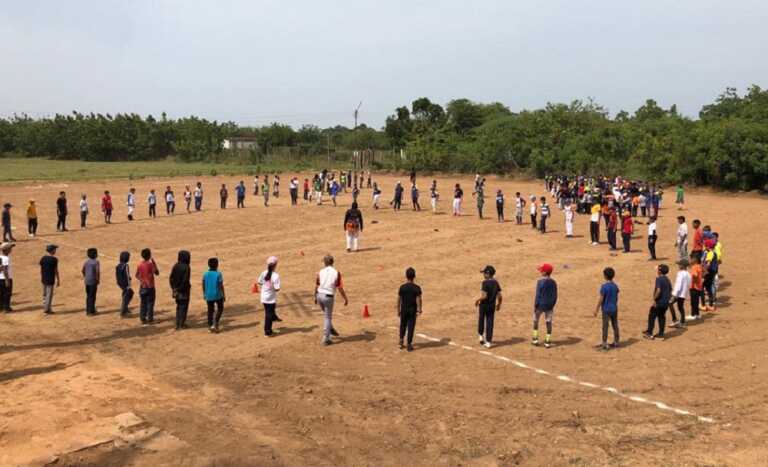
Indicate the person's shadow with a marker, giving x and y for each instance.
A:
(287, 330)
(365, 336)
(510, 341)
(431, 344)
(39, 370)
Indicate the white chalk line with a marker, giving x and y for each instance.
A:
(569, 379)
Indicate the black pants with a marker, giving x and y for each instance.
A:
(533, 220)
(269, 317)
(407, 323)
(6, 290)
(709, 288)
(642, 211)
(32, 226)
(152, 210)
(652, 245)
(480, 210)
(294, 196)
(657, 313)
(396, 203)
(61, 222)
(485, 323)
(594, 231)
(611, 239)
(214, 319)
(306, 195)
(7, 234)
(170, 207)
(198, 204)
(613, 319)
(223, 203)
(147, 305)
(500, 212)
(625, 239)
(695, 298)
(83, 219)
(90, 298)
(241, 202)
(127, 296)
(543, 224)
(416, 205)
(182, 307)
(680, 302)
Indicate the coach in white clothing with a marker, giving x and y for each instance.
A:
(328, 281)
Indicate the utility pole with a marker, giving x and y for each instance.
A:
(357, 110)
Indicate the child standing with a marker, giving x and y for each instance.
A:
(487, 305)
(106, 207)
(434, 196)
(145, 273)
(415, 198)
(533, 211)
(123, 278)
(544, 215)
(213, 292)
(500, 206)
(594, 224)
(519, 206)
(198, 196)
(91, 277)
(711, 265)
(32, 218)
(662, 294)
(544, 303)
(269, 283)
(187, 198)
(458, 195)
(376, 195)
(568, 212)
(131, 203)
(265, 191)
(608, 303)
(49, 276)
(83, 211)
(170, 201)
(610, 231)
(152, 202)
(681, 241)
(306, 189)
(680, 293)
(652, 237)
(627, 228)
(223, 195)
(408, 306)
(181, 287)
(697, 285)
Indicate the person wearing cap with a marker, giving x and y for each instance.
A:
(353, 226)
(213, 293)
(6, 276)
(487, 306)
(711, 266)
(49, 277)
(32, 218)
(327, 282)
(544, 303)
(662, 295)
(91, 277)
(269, 285)
(7, 233)
(680, 292)
(61, 212)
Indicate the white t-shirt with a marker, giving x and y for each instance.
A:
(269, 288)
(131, 199)
(533, 208)
(682, 232)
(682, 285)
(198, 192)
(169, 197)
(6, 261)
(294, 184)
(652, 228)
(328, 280)
(83, 205)
(187, 195)
(152, 198)
(569, 213)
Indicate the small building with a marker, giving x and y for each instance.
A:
(238, 143)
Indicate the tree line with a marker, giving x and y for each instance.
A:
(726, 146)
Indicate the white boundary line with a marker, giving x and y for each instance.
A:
(568, 379)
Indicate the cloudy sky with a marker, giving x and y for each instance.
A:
(309, 61)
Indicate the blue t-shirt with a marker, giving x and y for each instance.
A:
(665, 289)
(212, 279)
(610, 293)
(240, 190)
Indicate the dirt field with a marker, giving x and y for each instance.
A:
(103, 390)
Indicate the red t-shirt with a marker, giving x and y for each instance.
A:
(627, 227)
(146, 274)
(106, 202)
(698, 240)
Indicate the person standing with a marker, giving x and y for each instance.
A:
(123, 279)
(306, 190)
(487, 305)
(240, 190)
(223, 195)
(213, 292)
(61, 212)
(131, 202)
(408, 306)
(334, 191)
(145, 273)
(458, 195)
(697, 285)
(662, 294)
(170, 201)
(680, 199)
(652, 237)
(269, 285)
(533, 210)
(612, 226)
(187, 198)
(83, 211)
(680, 292)
(293, 188)
(256, 185)
(594, 224)
(568, 214)
(376, 195)
(434, 196)
(353, 226)
(500, 206)
(544, 303)
(32, 218)
(91, 277)
(327, 282)
(627, 228)
(318, 188)
(6, 276)
(276, 186)
(398, 198)
(7, 231)
(152, 203)
(544, 215)
(479, 193)
(415, 198)
(49, 277)
(608, 303)
(198, 196)
(181, 287)
(265, 191)
(106, 207)
(519, 206)
(681, 240)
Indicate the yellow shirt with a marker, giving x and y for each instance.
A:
(31, 211)
(719, 252)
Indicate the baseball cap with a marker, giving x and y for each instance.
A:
(490, 270)
(710, 243)
(271, 260)
(50, 248)
(546, 268)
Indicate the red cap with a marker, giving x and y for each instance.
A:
(546, 268)
(709, 243)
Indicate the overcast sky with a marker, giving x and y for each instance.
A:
(311, 61)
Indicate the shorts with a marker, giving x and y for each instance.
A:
(547, 315)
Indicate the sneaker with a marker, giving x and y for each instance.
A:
(211, 329)
(647, 335)
(327, 343)
(401, 345)
(409, 348)
(334, 332)
(480, 339)
(675, 324)
(487, 345)
(658, 337)
(535, 341)
(547, 344)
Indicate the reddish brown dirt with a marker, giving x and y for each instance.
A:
(238, 398)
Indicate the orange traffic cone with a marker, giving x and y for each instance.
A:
(366, 314)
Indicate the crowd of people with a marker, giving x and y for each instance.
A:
(616, 203)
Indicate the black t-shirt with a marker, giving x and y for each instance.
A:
(491, 288)
(48, 266)
(408, 293)
(61, 205)
(665, 290)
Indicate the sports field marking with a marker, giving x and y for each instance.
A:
(569, 379)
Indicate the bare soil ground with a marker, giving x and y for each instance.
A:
(238, 398)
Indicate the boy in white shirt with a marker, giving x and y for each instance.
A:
(652, 237)
(568, 211)
(533, 211)
(519, 205)
(152, 202)
(680, 293)
(83, 211)
(131, 202)
(681, 241)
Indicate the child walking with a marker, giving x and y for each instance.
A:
(608, 303)
(269, 283)
(544, 303)
(213, 292)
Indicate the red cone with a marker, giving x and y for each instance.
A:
(366, 314)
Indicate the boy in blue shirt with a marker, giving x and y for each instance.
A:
(544, 303)
(240, 191)
(213, 292)
(609, 304)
